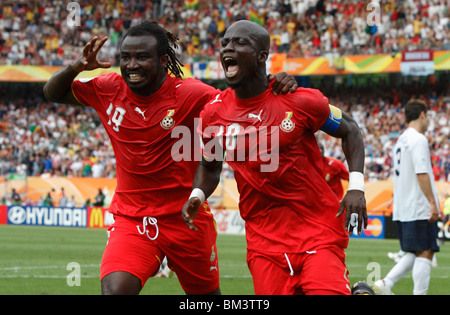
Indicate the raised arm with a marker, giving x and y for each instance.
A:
(58, 88)
(205, 182)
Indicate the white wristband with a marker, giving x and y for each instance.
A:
(356, 181)
(198, 193)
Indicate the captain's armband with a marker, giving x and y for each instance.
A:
(333, 122)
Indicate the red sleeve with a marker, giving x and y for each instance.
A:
(313, 106)
(89, 92)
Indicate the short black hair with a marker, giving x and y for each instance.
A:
(414, 108)
(167, 43)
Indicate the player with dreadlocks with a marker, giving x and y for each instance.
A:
(167, 43)
(139, 109)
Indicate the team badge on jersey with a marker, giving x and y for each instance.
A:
(167, 122)
(287, 125)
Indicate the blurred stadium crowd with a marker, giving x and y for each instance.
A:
(35, 32)
(378, 110)
(38, 137)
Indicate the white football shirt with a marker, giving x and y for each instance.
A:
(411, 157)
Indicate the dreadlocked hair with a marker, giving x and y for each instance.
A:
(167, 43)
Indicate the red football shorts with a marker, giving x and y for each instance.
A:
(321, 272)
(139, 245)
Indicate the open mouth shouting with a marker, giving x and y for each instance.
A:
(231, 66)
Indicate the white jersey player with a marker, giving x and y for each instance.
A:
(416, 207)
(411, 157)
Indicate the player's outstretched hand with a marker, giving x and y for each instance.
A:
(354, 204)
(190, 212)
(88, 61)
(284, 83)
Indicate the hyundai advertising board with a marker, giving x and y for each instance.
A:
(47, 216)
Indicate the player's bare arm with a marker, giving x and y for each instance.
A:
(353, 146)
(206, 180)
(425, 185)
(58, 88)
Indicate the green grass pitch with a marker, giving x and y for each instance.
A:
(36, 261)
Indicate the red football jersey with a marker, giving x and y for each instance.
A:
(335, 171)
(150, 181)
(269, 142)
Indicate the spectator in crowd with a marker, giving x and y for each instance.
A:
(15, 197)
(99, 200)
(87, 203)
(63, 199)
(48, 200)
(71, 203)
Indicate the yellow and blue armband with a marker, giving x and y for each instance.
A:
(333, 122)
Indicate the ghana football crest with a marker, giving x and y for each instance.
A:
(287, 125)
(167, 122)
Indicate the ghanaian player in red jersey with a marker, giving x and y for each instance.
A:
(296, 233)
(139, 109)
(334, 172)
